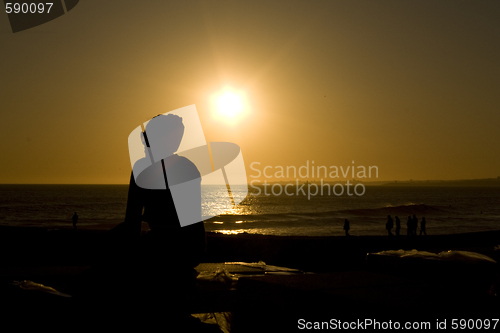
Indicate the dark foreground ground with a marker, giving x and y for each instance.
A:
(347, 283)
(42, 247)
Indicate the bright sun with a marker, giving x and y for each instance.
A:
(230, 105)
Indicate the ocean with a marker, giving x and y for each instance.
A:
(448, 210)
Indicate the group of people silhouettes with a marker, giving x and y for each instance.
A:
(411, 225)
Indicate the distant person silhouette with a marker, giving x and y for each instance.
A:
(389, 225)
(346, 227)
(75, 220)
(422, 227)
(398, 225)
(409, 227)
(158, 266)
(414, 224)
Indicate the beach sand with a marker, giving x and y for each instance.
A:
(56, 257)
(67, 247)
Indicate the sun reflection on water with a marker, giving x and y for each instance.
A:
(231, 232)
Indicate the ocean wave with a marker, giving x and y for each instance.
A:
(402, 210)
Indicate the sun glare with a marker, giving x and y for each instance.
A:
(230, 105)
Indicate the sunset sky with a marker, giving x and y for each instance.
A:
(409, 86)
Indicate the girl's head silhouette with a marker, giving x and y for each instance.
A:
(164, 135)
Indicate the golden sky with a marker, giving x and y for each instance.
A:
(408, 86)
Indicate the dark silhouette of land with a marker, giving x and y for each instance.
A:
(485, 182)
